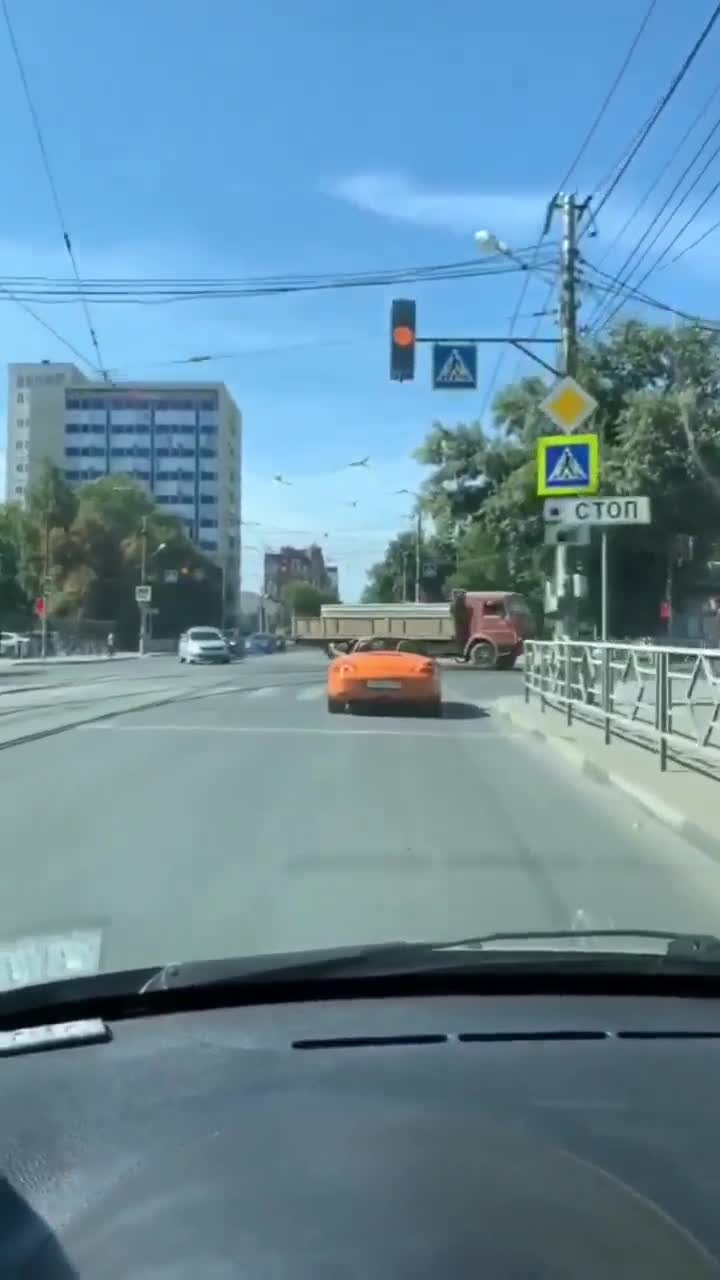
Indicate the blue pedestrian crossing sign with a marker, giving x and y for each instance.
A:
(454, 366)
(567, 466)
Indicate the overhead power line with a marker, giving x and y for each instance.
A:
(662, 104)
(155, 292)
(609, 95)
(689, 221)
(715, 226)
(582, 149)
(664, 169)
(629, 266)
(51, 180)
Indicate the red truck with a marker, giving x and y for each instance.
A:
(484, 628)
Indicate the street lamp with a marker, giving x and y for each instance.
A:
(144, 558)
(489, 242)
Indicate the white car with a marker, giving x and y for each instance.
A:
(203, 644)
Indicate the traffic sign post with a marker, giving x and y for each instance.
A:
(580, 514)
(143, 594)
(568, 405)
(598, 511)
(454, 366)
(568, 465)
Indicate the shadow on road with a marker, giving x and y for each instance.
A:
(396, 711)
(463, 711)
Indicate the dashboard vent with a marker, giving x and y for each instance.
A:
(498, 1037)
(368, 1042)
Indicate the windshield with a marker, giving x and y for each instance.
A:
(360, 543)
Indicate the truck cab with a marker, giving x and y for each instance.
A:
(491, 627)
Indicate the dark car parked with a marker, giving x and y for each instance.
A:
(261, 642)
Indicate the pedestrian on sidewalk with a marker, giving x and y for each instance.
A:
(110, 644)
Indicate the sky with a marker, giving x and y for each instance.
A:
(246, 138)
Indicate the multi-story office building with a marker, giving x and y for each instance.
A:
(35, 426)
(180, 440)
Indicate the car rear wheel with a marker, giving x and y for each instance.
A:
(334, 706)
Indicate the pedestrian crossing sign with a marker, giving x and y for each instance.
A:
(567, 466)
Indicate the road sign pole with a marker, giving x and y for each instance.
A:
(143, 575)
(604, 603)
(568, 313)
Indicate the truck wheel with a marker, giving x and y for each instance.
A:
(483, 655)
(334, 706)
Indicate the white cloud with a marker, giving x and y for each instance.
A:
(516, 216)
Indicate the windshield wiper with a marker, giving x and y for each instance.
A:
(308, 975)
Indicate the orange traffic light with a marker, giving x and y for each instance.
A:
(402, 340)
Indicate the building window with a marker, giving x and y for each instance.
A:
(208, 429)
(20, 397)
(208, 499)
(208, 475)
(19, 488)
(208, 453)
(207, 523)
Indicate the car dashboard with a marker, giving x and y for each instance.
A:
(523, 1136)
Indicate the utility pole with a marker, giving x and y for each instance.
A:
(45, 583)
(571, 212)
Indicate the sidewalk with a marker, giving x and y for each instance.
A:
(28, 664)
(680, 798)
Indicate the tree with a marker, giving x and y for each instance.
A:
(305, 599)
(392, 579)
(658, 416)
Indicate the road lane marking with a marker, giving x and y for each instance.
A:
(425, 732)
(312, 693)
(262, 693)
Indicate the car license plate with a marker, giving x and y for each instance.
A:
(384, 684)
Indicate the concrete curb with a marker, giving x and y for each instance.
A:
(705, 840)
(48, 663)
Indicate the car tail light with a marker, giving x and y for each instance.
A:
(347, 669)
(425, 668)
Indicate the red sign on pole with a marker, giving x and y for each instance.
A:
(665, 610)
(40, 606)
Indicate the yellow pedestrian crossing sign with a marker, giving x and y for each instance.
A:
(568, 466)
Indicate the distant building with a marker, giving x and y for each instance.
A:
(294, 564)
(333, 579)
(179, 440)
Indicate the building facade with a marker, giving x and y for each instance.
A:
(294, 564)
(181, 441)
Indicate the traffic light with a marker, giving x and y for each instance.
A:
(402, 340)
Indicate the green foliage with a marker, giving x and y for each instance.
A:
(89, 544)
(658, 417)
(305, 599)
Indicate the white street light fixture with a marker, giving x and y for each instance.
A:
(489, 242)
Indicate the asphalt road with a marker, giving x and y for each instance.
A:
(242, 818)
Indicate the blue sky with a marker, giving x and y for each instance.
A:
(247, 137)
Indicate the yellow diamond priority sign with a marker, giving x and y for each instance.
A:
(568, 405)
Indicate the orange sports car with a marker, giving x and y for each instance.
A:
(380, 673)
